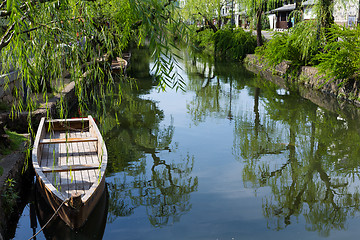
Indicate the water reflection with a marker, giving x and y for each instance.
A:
(307, 156)
(234, 157)
(141, 171)
(214, 84)
(93, 228)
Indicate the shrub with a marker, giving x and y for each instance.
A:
(341, 56)
(10, 196)
(234, 44)
(203, 40)
(299, 46)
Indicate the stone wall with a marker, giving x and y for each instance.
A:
(12, 170)
(7, 84)
(13, 163)
(332, 95)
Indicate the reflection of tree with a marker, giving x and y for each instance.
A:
(307, 157)
(308, 181)
(255, 133)
(213, 84)
(138, 173)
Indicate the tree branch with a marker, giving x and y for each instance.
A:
(212, 26)
(3, 4)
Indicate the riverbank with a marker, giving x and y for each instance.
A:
(331, 95)
(13, 164)
(14, 170)
(309, 77)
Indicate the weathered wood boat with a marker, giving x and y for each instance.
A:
(93, 228)
(70, 159)
(119, 64)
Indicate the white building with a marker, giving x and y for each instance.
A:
(348, 15)
(343, 15)
(233, 9)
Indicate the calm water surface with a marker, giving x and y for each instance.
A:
(233, 157)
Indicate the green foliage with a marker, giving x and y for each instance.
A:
(208, 8)
(298, 46)
(234, 44)
(45, 40)
(341, 56)
(203, 40)
(15, 141)
(265, 24)
(10, 196)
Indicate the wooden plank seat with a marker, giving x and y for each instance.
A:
(67, 140)
(70, 155)
(66, 168)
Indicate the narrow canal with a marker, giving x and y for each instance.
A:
(233, 157)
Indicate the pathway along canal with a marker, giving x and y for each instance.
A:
(233, 157)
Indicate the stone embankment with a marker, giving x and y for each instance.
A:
(13, 164)
(331, 95)
(7, 86)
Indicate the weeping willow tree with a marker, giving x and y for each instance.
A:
(47, 41)
(257, 8)
(199, 10)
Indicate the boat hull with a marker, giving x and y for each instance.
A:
(70, 159)
(93, 228)
(74, 218)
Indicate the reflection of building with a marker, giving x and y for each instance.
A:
(279, 17)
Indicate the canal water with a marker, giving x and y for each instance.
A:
(234, 156)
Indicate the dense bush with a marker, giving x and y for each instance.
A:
(202, 40)
(234, 44)
(341, 56)
(298, 46)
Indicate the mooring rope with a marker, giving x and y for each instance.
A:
(57, 210)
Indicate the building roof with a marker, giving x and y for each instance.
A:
(290, 7)
(285, 8)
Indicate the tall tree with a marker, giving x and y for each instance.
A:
(256, 8)
(43, 39)
(207, 10)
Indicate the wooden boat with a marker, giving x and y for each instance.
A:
(93, 228)
(119, 64)
(70, 159)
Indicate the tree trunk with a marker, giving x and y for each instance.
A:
(326, 13)
(326, 16)
(259, 39)
(210, 23)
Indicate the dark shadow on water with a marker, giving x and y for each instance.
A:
(57, 229)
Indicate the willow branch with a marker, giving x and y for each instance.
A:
(168, 3)
(46, 25)
(8, 13)
(8, 35)
(3, 4)
(212, 26)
